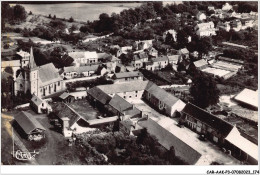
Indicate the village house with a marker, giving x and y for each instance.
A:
(127, 76)
(138, 60)
(86, 71)
(205, 123)
(160, 62)
(40, 105)
(14, 64)
(152, 52)
(220, 132)
(32, 129)
(39, 80)
(127, 90)
(200, 64)
(247, 23)
(172, 33)
(115, 60)
(84, 57)
(174, 59)
(201, 16)
(205, 29)
(162, 100)
(144, 44)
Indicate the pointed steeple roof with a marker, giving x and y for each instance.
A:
(32, 63)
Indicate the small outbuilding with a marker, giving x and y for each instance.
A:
(40, 105)
(31, 127)
(66, 97)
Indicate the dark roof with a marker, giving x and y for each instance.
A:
(62, 110)
(207, 118)
(99, 95)
(162, 95)
(27, 122)
(120, 104)
(167, 139)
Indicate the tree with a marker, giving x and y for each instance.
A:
(204, 90)
(71, 19)
(30, 13)
(19, 13)
(54, 17)
(49, 16)
(9, 70)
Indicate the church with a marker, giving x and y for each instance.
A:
(41, 81)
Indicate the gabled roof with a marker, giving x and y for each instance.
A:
(127, 74)
(62, 110)
(99, 95)
(64, 95)
(48, 74)
(27, 122)
(174, 57)
(248, 96)
(162, 95)
(242, 143)
(36, 100)
(207, 118)
(160, 58)
(120, 104)
(200, 63)
(103, 55)
(167, 139)
(81, 69)
(184, 51)
(76, 55)
(137, 85)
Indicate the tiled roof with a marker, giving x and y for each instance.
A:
(99, 95)
(207, 118)
(137, 85)
(27, 122)
(48, 74)
(162, 95)
(36, 100)
(120, 104)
